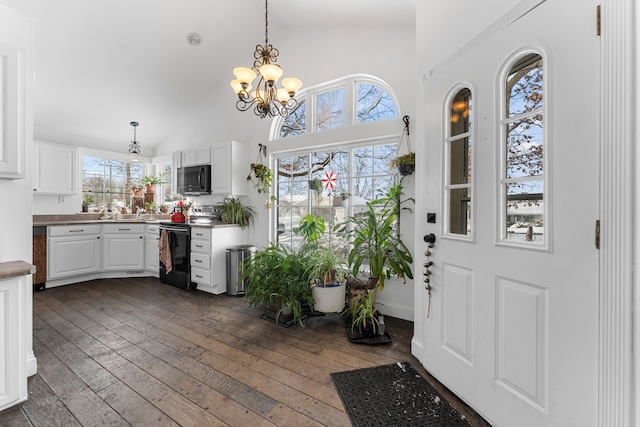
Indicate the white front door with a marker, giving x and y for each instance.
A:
(511, 172)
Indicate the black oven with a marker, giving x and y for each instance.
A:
(175, 252)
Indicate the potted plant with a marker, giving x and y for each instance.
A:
(136, 189)
(363, 316)
(340, 199)
(325, 266)
(164, 208)
(405, 163)
(232, 211)
(261, 176)
(277, 279)
(87, 200)
(376, 244)
(150, 182)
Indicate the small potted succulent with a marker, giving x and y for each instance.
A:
(87, 200)
(136, 189)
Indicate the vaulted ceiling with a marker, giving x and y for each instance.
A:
(103, 63)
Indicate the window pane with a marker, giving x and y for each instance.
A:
(295, 123)
(459, 211)
(525, 211)
(460, 161)
(374, 104)
(109, 181)
(524, 86)
(525, 147)
(330, 110)
(460, 114)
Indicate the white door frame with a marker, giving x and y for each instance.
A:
(618, 196)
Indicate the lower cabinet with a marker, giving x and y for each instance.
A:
(73, 250)
(152, 253)
(13, 381)
(208, 256)
(124, 247)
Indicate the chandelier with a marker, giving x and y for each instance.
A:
(267, 99)
(134, 146)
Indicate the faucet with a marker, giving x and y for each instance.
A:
(138, 212)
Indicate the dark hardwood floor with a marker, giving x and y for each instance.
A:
(138, 352)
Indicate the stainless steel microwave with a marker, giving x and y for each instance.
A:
(194, 180)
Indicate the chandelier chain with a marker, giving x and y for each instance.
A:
(266, 22)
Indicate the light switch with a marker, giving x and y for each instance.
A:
(431, 217)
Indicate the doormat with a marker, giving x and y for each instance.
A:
(393, 395)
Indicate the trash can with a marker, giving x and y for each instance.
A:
(235, 258)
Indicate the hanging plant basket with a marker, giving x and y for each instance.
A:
(262, 176)
(405, 163)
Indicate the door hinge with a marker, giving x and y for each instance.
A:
(597, 234)
(598, 20)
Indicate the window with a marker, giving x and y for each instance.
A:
(374, 103)
(356, 99)
(330, 112)
(109, 181)
(458, 165)
(295, 123)
(523, 159)
(361, 173)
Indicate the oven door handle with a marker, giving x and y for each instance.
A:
(176, 229)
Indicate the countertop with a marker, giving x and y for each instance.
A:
(15, 269)
(51, 220)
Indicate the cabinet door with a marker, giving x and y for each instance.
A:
(123, 252)
(203, 156)
(55, 169)
(72, 256)
(176, 164)
(221, 169)
(152, 253)
(12, 353)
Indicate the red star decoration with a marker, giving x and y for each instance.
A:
(329, 180)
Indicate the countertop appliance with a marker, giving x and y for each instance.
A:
(179, 242)
(206, 214)
(194, 180)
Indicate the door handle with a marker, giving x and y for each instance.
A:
(430, 238)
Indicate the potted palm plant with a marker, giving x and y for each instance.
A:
(377, 251)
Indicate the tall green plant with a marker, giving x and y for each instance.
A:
(375, 242)
(232, 211)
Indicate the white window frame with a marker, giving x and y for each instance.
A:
(501, 179)
(447, 187)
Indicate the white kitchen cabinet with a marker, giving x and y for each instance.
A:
(229, 168)
(197, 156)
(176, 163)
(73, 250)
(55, 169)
(152, 253)
(123, 248)
(208, 255)
(15, 324)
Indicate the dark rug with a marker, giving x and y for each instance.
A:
(393, 395)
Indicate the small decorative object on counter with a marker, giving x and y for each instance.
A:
(178, 217)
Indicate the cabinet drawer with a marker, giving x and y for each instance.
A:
(73, 230)
(201, 246)
(200, 260)
(200, 234)
(201, 276)
(123, 228)
(153, 229)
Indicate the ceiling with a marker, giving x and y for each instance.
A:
(101, 64)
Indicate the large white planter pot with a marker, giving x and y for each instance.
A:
(329, 300)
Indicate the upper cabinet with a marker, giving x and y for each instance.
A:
(13, 127)
(55, 169)
(229, 168)
(195, 157)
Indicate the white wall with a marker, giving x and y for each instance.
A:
(15, 217)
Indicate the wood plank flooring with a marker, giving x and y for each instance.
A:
(137, 352)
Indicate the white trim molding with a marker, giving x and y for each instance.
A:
(616, 214)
